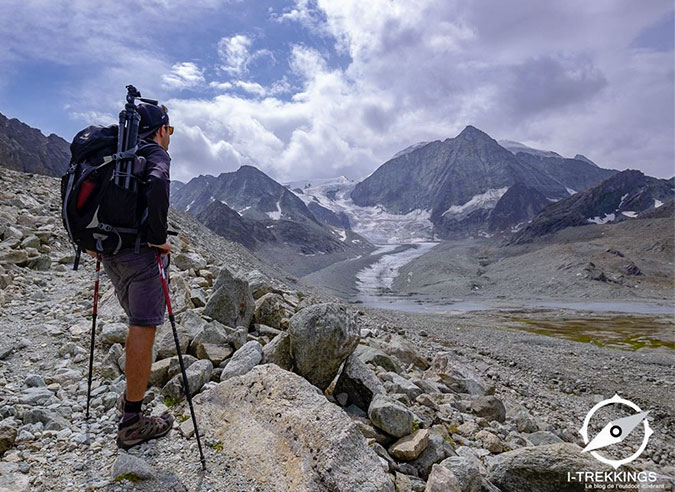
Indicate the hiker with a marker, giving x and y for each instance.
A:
(137, 282)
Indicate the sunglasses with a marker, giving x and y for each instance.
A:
(169, 129)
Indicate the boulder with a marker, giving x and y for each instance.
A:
(231, 302)
(392, 417)
(322, 336)
(456, 376)
(467, 471)
(284, 434)
(166, 343)
(377, 357)
(541, 438)
(489, 407)
(132, 467)
(189, 260)
(541, 468)
(243, 360)
(278, 351)
(359, 382)
(403, 349)
(7, 437)
(399, 384)
(442, 480)
(198, 374)
(411, 446)
(268, 310)
(437, 450)
(112, 333)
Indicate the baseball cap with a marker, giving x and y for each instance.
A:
(152, 117)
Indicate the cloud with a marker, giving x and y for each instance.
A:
(183, 76)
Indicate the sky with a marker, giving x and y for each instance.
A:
(306, 89)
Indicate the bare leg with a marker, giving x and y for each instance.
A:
(139, 360)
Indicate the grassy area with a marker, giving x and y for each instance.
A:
(622, 332)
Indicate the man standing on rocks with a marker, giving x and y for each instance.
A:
(138, 285)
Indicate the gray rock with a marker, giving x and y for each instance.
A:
(523, 421)
(467, 471)
(187, 261)
(408, 483)
(436, 451)
(159, 372)
(399, 384)
(272, 422)
(166, 343)
(7, 437)
(231, 302)
(42, 263)
(403, 349)
(174, 365)
(12, 479)
(377, 357)
(489, 407)
(358, 382)
(238, 337)
(49, 419)
(191, 322)
(212, 333)
(541, 438)
(14, 256)
(268, 310)
(278, 351)
(110, 368)
(442, 480)
(541, 469)
(390, 416)
(243, 360)
(458, 377)
(322, 336)
(198, 374)
(114, 333)
(34, 381)
(127, 465)
(35, 396)
(197, 297)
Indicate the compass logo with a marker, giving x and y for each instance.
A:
(616, 431)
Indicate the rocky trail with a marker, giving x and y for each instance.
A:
(294, 392)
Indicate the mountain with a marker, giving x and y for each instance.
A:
(249, 207)
(624, 196)
(26, 149)
(461, 180)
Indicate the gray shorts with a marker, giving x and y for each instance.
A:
(138, 285)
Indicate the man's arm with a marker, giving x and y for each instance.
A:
(157, 196)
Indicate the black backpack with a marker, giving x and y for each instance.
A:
(100, 205)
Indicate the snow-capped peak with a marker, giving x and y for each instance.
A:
(515, 147)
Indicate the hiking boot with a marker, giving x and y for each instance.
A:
(144, 428)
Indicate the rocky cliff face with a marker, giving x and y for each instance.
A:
(26, 149)
(624, 196)
(461, 180)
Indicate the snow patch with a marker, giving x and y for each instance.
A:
(275, 215)
(381, 274)
(657, 203)
(483, 200)
(623, 198)
(597, 220)
(630, 213)
(187, 209)
(571, 191)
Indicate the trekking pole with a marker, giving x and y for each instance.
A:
(165, 288)
(93, 330)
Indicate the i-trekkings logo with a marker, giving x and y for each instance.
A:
(616, 431)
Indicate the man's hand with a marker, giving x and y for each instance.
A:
(90, 253)
(165, 248)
